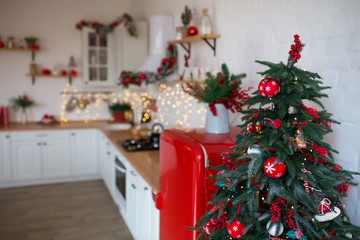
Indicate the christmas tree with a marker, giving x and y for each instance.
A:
(281, 181)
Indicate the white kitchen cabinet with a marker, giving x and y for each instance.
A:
(5, 160)
(40, 154)
(83, 149)
(142, 217)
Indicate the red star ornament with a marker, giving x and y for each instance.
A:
(274, 170)
(268, 87)
(235, 229)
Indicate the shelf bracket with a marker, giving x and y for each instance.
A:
(33, 80)
(187, 49)
(70, 80)
(212, 46)
(33, 55)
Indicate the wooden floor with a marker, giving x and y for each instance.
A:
(69, 211)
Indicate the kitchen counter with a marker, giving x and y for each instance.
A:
(146, 163)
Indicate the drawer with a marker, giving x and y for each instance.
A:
(48, 134)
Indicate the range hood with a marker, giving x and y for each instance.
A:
(161, 31)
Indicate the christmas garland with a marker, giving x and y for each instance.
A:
(167, 67)
(98, 27)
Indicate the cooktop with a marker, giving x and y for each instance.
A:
(141, 144)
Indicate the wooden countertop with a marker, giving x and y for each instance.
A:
(146, 163)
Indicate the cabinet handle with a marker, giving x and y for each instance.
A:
(133, 173)
(44, 143)
(41, 135)
(146, 188)
(7, 136)
(133, 186)
(72, 134)
(107, 143)
(108, 153)
(39, 144)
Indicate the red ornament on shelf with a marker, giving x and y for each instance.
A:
(63, 72)
(235, 229)
(274, 170)
(1, 44)
(268, 87)
(72, 73)
(46, 72)
(192, 31)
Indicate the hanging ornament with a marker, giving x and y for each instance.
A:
(306, 184)
(250, 127)
(274, 170)
(275, 229)
(300, 140)
(326, 212)
(259, 126)
(235, 229)
(255, 149)
(192, 31)
(268, 87)
(296, 234)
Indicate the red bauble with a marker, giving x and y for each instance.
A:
(159, 69)
(250, 127)
(46, 71)
(192, 31)
(1, 44)
(274, 170)
(268, 87)
(164, 61)
(142, 76)
(137, 83)
(131, 80)
(63, 72)
(172, 60)
(72, 73)
(235, 229)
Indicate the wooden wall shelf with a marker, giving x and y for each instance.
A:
(190, 39)
(22, 50)
(189, 81)
(50, 76)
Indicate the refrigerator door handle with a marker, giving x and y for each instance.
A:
(159, 200)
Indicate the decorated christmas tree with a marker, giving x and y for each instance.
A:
(281, 181)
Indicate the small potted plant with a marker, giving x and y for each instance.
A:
(22, 102)
(221, 93)
(31, 42)
(118, 109)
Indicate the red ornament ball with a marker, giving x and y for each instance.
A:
(142, 76)
(268, 87)
(72, 73)
(63, 72)
(235, 229)
(159, 69)
(192, 31)
(1, 44)
(172, 60)
(250, 127)
(163, 61)
(274, 170)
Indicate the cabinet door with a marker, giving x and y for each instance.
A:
(132, 201)
(5, 160)
(26, 158)
(98, 60)
(83, 148)
(102, 158)
(144, 211)
(56, 158)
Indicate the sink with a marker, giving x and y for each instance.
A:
(118, 126)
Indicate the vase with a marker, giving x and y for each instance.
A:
(217, 124)
(118, 116)
(23, 116)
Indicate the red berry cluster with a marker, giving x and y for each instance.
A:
(320, 150)
(215, 224)
(311, 111)
(227, 162)
(295, 49)
(275, 124)
(342, 188)
(289, 220)
(310, 157)
(276, 210)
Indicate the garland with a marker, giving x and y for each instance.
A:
(167, 67)
(98, 27)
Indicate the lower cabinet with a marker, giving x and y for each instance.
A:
(83, 147)
(5, 160)
(38, 155)
(142, 217)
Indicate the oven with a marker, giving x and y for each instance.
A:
(120, 184)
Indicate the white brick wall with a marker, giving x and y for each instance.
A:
(263, 30)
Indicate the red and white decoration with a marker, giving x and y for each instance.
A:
(327, 212)
(274, 170)
(268, 87)
(235, 229)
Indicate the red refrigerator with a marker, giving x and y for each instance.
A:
(185, 156)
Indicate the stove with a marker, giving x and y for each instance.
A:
(142, 144)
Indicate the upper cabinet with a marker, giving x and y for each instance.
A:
(105, 55)
(98, 59)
